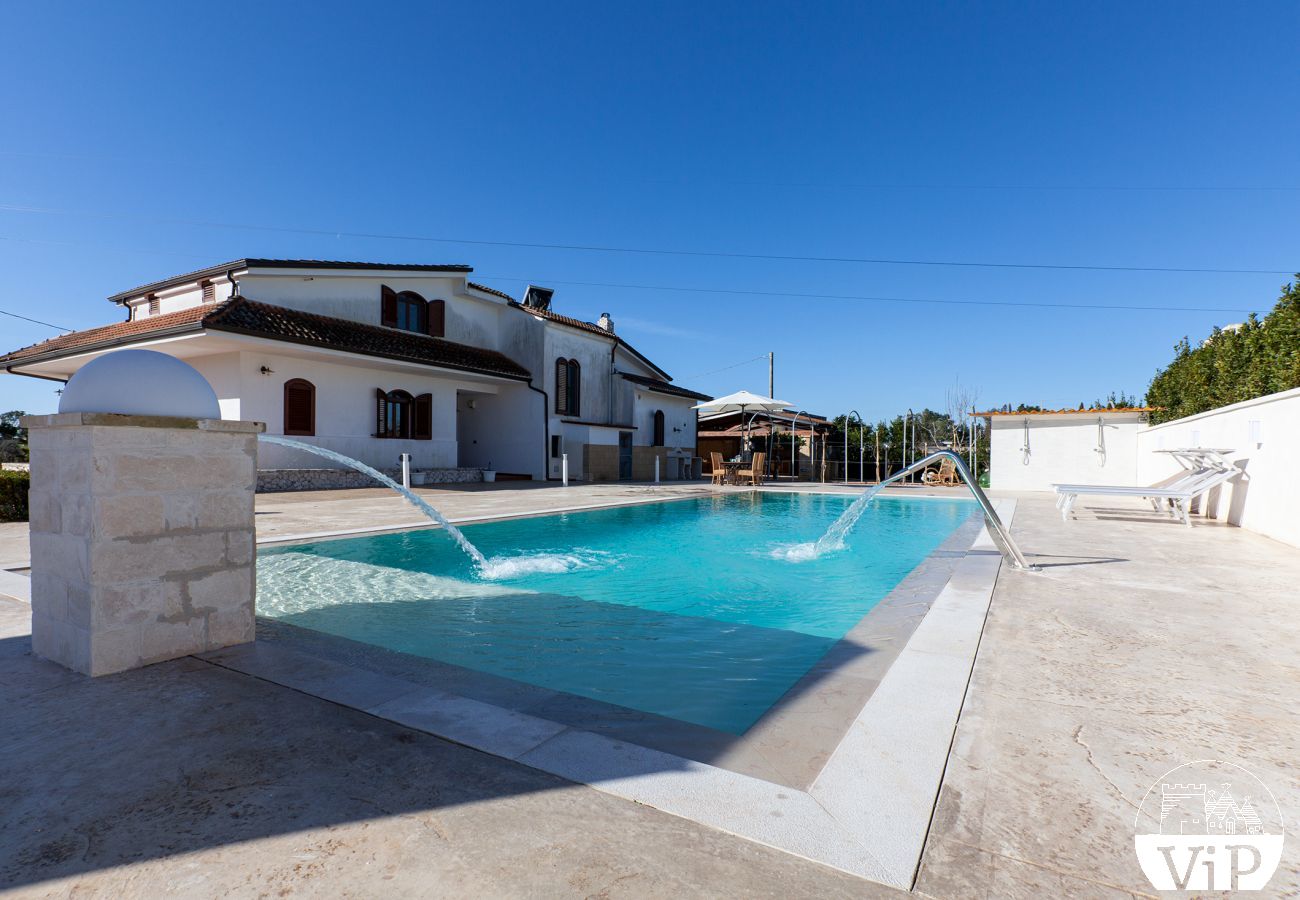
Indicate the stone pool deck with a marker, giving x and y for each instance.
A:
(1142, 645)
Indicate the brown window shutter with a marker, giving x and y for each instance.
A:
(437, 318)
(575, 388)
(562, 386)
(299, 407)
(381, 413)
(387, 306)
(209, 291)
(422, 418)
(153, 304)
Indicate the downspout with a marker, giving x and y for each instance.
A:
(613, 368)
(546, 429)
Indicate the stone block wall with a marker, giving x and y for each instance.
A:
(142, 538)
(599, 462)
(276, 480)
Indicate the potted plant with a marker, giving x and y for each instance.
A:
(489, 474)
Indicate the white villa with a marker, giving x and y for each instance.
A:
(375, 360)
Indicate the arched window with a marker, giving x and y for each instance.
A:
(406, 310)
(399, 415)
(392, 414)
(568, 387)
(658, 429)
(299, 407)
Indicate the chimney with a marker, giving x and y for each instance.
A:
(606, 322)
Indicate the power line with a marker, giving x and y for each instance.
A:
(650, 251)
(4, 312)
(791, 295)
(868, 298)
(724, 368)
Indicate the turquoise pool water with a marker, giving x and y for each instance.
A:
(683, 608)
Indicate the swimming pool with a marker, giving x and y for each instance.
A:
(682, 609)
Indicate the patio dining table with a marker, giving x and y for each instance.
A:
(730, 468)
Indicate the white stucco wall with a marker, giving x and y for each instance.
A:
(499, 432)
(1063, 450)
(1263, 436)
(345, 408)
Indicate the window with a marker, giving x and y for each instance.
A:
(658, 429)
(209, 291)
(153, 304)
(408, 311)
(401, 416)
(557, 446)
(299, 407)
(412, 312)
(568, 387)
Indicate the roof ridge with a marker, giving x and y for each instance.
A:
(264, 263)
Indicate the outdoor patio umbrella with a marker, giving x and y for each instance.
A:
(740, 402)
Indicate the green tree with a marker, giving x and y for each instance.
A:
(13, 437)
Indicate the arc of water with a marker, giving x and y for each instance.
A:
(413, 499)
(833, 539)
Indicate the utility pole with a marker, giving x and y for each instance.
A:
(771, 374)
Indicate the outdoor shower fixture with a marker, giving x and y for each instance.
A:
(794, 444)
(1100, 449)
(852, 412)
(1024, 450)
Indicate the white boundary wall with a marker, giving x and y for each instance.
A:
(1264, 437)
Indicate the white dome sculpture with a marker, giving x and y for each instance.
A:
(140, 383)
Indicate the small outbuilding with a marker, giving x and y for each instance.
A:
(1031, 451)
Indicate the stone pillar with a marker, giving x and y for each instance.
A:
(142, 537)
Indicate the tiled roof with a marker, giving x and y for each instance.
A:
(663, 387)
(1066, 412)
(591, 327)
(487, 290)
(251, 263)
(242, 316)
(121, 332)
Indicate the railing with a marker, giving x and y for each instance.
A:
(1001, 536)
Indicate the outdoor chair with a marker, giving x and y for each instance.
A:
(754, 474)
(1210, 471)
(945, 474)
(719, 470)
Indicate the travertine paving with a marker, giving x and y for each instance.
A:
(1142, 646)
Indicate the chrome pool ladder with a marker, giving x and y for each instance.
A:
(997, 530)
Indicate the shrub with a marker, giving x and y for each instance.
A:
(1258, 357)
(13, 496)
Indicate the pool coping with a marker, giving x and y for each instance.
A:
(868, 810)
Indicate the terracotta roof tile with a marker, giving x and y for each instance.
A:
(242, 316)
(664, 387)
(1064, 412)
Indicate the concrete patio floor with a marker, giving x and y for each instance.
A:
(1142, 645)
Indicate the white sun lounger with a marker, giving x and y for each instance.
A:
(1178, 494)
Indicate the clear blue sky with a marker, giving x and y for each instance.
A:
(1114, 134)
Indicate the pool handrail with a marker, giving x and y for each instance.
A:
(1001, 536)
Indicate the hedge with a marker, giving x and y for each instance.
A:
(13, 495)
(1257, 358)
